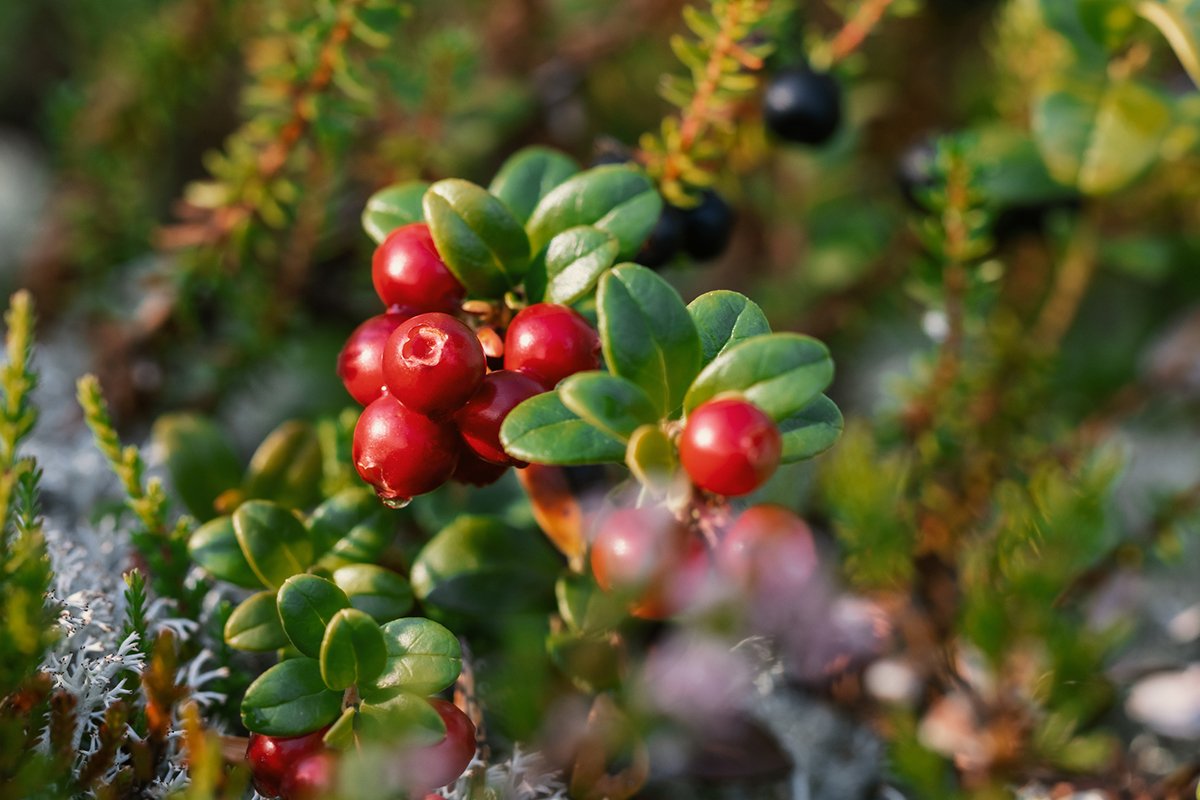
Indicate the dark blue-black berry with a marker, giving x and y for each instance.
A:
(803, 106)
(665, 240)
(708, 227)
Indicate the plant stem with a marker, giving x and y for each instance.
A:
(857, 29)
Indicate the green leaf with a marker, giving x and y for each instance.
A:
(542, 430)
(584, 607)
(780, 373)
(287, 466)
(422, 658)
(351, 527)
(340, 735)
(651, 458)
(352, 650)
(379, 592)
(480, 567)
(1180, 24)
(393, 206)
(575, 259)
(200, 460)
(528, 176)
(307, 604)
(254, 624)
(608, 402)
(482, 243)
(274, 541)
(724, 318)
(402, 717)
(812, 430)
(1099, 135)
(290, 699)
(647, 334)
(593, 663)
(214, 546)
(619, 199)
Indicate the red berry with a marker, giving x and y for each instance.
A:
(480, 419)
(769, 550)
(650, 558)
(360, 364)
(439, 764)
(548, 342)
(433, 364)
(311, 778)
(475, 471)
(729, 446)
(402, 453)
(270, 758)
(408, 271)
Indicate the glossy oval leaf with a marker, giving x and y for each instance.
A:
(276, 544)
(286, 468)
(200, 460)
(724, 318)
(352, 651)
(1097, 134)
(575, 260)
(254, 625)
(542, 430)
(423, 657)
(307, 604)
(528, 176)
(350, 527)
(481, 241)
(647, 334)
(403, 717)
(340, 735)
(584, 607)
(651, 458)
(780, 373)
(812, 430)
(482, 568)
(619, 199)
(383, 594)
(608, 402)
(290, 699)
(393, 206)
(214, 546)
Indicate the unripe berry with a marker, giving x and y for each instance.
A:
(803, 106)
(548, 342)
(729, 446)
(402, 453)
(651, 559)
(407, 271)
(360, 363)
(433, 363)
(311, 778)
(271, 757)
(480, 419)
(768, 551)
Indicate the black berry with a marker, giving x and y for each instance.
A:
(665, 240)
(803, 106)
(708, 227)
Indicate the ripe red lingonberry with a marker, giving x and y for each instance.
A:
(648, 557)
(311, 778)
(440, 763)
(548, 342)
(480, 419)
(768, 550)
(271, 757)
(433, 363)
(729, 446)
(408, 271)
(474, 471)
(402, 453)
(360, 363)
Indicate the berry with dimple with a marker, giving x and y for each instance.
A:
(311, 778)
(433, 363)
(407, 271)
(803, 106)
(360, 363)
(271, 757)
(649, 558)
(768, 551)
(729, 446)
(708, 227)
(403, 453)
(438, 764)
(480, 419)
(549, 342)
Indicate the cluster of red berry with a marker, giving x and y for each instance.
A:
(304, 768)
(435, 389)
